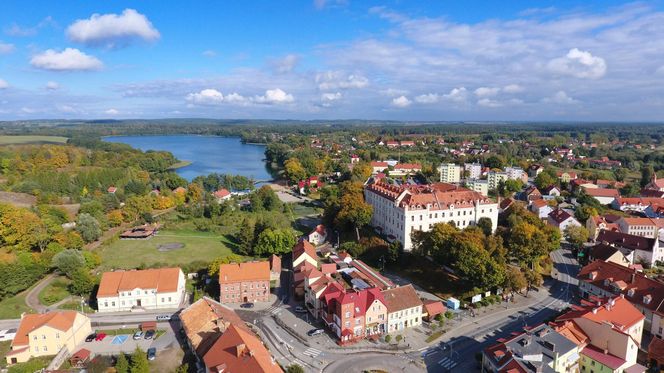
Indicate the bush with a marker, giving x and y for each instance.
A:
(438, 317)
(449, 314)
(68, 261)
(388, 338)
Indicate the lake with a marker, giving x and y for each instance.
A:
(207, 154)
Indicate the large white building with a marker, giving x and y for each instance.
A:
(449, 173)
(398, 211)
(151, 289)
(474, 170)
(514, 173)
(494, 178)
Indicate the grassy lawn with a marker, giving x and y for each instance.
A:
(420, 271)
(15, 140)
(300, 210)
(32, 365)
(55, 291)
(76, 306)
(198, 246)
(5, 346)
(12, 307)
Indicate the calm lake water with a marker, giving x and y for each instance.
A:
(208, 154)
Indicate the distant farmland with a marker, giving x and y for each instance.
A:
(18, 140)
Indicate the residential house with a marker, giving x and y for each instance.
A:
(112, 190)
(597, 223)
(539, 349)
(607, 279)
(646, 227)
(516, 173)
(244, 282)
(315, 284)
(602, 195)
(656, 184)
(403, 169)
(222, 195)
(477, 185)
(535, 170)
(404, 308)
(541, 208)
(551, 191)
(494, 178)
(656, 353)
(162, 288)
(608, 253)
(636, 204)
(46, 334)
(505, 205)
(605, 163)
(318, 236)
(562, 219)
(531, 194)
(392, 144)
(406, 143)
(449, 173)
(345, 313)
(378, 166)
(566, 176)
(644, 250)
(304, 251)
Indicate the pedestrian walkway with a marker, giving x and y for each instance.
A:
(274, 310)
(312, 352)
(447, 363)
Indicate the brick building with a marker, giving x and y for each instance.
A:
(244, 282)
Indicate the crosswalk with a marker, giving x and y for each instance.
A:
(312, 352)
(447, 363)
(274, 310)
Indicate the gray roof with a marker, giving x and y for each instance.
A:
(538, 347)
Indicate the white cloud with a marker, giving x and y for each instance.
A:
(513, 88)
(206, 97)
(70, 59)
(321, 4)
(6, 48)
(235, 98)
(3, 84)
(16, 30)
(486, 91)
(331, 96)
(275, 96)
(487, 102)
(285, 64)
(67, 109)
(401, 102)
(52, 86)
(429, 98)
(209, 53)
(560, 97)
(112, 112)
(580, 64)
(330, 80)
(457, 94)
(393, 92)
(113, 30)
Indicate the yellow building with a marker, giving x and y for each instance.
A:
(46, 334)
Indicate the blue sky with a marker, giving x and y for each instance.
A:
(334, 59)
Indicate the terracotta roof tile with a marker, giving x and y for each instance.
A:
(61, 320)
(247, 271)
(401, 298)
(237, 351)
(164, 280)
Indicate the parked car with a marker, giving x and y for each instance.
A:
(247, 305)
(300, 309)
(91, 337)
(138, 335)
(152, 353)
(100, 336)
(149, 334)
(163, 317)
(315, 332)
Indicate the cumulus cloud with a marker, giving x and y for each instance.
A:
(285, 64)
(487, 102)
(6, 48)
(3, 84)
(486, 91)
(459, 94)
(401, 102)
(70, 59)
(112, 112)
(209, 53)
(52, 86)
(560, 97)
(513, 88)
(206, 97)
(331, 96)
(330, 80)
(275, 96)
(429, 98)
(113, 30)
(580, 64)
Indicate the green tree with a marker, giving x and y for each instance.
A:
(294, 170)
(82, 282)
(294, 368)
(88, 227)
(68, 261)
(485, 225)
(647, 173)
(245, 237)
(213, 268)
(274, 242)
(184, 368)
(533, 279)
(139, 362)
(515, 279)
(121, 364)
(583, 212)
(545, 179)
(576, 235)
(354, 212)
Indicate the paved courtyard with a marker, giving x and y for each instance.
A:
(113, 345)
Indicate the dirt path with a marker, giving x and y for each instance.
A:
(32, 298)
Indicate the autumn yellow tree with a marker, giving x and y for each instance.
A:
(294, 170)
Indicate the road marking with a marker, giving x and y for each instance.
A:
(444, 361)
(312, 352)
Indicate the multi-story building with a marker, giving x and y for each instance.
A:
(473, 170)
(494, 178)
(398, 211)
(562, 219)
(638, 248)
(598, 223)
(162, 288)
(345, 312)
(48, 333)
(244, 282)
(449, 173)
(645, 227)
(515, 173)
(404, 308)
(479, 186)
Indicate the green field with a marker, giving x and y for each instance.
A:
(12, 307)
(17, 140)
(55, 291)
(198, 246)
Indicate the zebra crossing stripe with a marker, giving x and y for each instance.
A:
(444, 361)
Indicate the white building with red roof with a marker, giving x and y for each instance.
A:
(399, 210)
(162, 288)
(222, 195)
(318, 236)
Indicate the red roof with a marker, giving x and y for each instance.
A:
(606, 359)
(656, 350)
(239, 350)
(617, 311)
(602, 192)
(221, 193)
(247, 271)
(434, 307)
(164, 280)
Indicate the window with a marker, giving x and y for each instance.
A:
(45, 349)
(105, 304)
(43, 336)
(34, 338)
(123, 303)
(169, 299)
(347, 314)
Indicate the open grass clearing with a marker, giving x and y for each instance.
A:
(28, 139)
(55, 291)
(12, 307)
(197, 246)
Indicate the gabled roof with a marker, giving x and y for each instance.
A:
(221, 193)
(573, 332)
(656, 349)
(238, 350)
(539, 203)
(164, 280)
(602, 192)
(304, 247)
(559, 215)
(602, 251)
(320, 229)
(434, 307)
(401, 298)
(618, 312)
(61, 320)
(629, 241)
(611, 361)
(247, 271)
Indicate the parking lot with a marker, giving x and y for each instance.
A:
(114, 344)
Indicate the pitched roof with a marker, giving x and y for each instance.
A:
(617, 311)
(539, 203)
(572, 331)
(602, 192)
(602, 251)
(247, 271)
(61, 320)
(320, 229)
(611, 361)
(401, 298)
(559, 215)
(204, 320)
(434, 307)
(164, 280)
(239, 350)
(221, 193)
(438, 196)
(656, 349)
(629, 241)
(302, 247)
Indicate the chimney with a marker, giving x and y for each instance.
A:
(239, 349)
(633, 277)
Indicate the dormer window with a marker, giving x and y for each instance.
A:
(647, 299)
(630, 292)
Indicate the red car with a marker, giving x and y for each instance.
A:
(100, 336)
